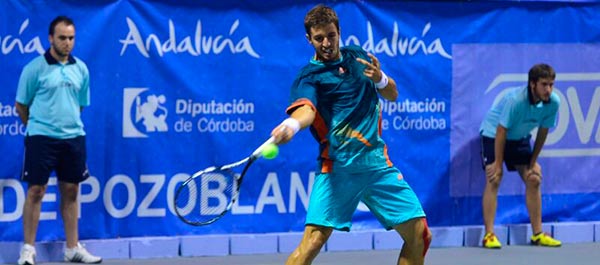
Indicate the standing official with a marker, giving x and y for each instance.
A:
(53, 89)
(505, 138)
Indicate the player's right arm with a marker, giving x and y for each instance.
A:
(500, 141)
(23, 111)
(26, 91)
(302, 117)
(305, 115)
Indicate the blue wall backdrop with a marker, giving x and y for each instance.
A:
(177, 86)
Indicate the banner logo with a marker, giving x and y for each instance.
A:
(143, 113)
(22, 42)
(195, 45)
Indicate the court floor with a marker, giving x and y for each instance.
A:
(569, 254)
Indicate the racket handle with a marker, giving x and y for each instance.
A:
(256, 152)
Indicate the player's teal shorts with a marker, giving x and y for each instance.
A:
(335, 196)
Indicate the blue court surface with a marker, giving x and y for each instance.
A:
(571, 254)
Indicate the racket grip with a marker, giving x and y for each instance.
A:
(256, 152)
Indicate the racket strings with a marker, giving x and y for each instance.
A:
(206, 197)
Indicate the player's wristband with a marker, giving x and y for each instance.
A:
(383, 82)
(292, 124)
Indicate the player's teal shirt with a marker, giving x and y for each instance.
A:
(516, 112)
(54, 93)
(348, 122)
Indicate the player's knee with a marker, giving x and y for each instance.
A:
(68, 191)
(537, 167)
(68, 197)
(534, 180)
(427, 237)
(35, 193)
(316, 242)
(69, 194)
(417, 236)
(495, 182)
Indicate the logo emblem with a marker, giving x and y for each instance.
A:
(143, 113)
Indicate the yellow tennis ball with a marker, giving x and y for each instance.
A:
(270, 151)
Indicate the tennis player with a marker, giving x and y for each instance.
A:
(336, 94)
(505, 137)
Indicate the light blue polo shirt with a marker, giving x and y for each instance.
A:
(516, 112)
(54, 93)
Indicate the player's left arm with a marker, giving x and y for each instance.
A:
(389, 92)
(385, 84)
(84, 92)
(540, 139)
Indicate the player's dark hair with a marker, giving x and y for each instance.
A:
(60, 19)
(541, 70)
(320, 15)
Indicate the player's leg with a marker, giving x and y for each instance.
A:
(31, 212)
(489, 206)
(520, 156)
(312, 242)
(490, 192)
(532, 178)
(69, 209)
(71, 170)
(490, 201)
(333, 200)
(396, 206)
(39, 161)
(31, 219)
(417, 237)
(533, 196)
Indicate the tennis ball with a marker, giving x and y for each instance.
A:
(270, 151)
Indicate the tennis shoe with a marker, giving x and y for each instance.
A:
(545, 240)
(79, 254)
(491, 241)
(27, 256)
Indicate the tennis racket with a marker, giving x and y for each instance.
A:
(208, 194)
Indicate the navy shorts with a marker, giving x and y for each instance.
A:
(67, 157)
(516, 152)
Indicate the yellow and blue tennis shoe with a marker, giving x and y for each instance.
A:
(545, 240)
(491, 241)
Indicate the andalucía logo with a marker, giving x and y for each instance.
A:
(143, 113)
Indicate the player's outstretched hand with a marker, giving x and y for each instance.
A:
(282, 134)
(373, 68)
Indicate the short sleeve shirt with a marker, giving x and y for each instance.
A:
(347, 124)
(515, 112)
(54, 93)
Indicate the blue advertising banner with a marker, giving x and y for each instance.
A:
(177, 86)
